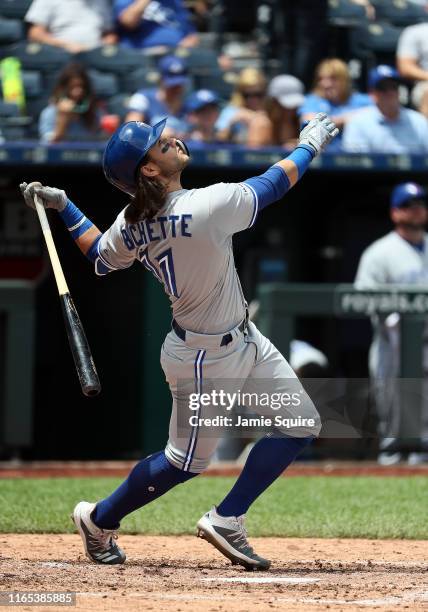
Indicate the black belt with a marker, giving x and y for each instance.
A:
(181, 333)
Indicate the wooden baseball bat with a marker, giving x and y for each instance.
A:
(79, 346)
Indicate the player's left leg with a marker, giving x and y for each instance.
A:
(224, 526)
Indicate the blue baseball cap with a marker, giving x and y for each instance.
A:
(382, 73)
(407, 191)
(200, 98)
(173, 71)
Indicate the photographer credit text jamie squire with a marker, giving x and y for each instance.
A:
(227, 401)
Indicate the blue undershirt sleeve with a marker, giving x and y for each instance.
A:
(274, 183)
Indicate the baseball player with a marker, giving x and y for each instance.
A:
(184, 238)
(400, 257)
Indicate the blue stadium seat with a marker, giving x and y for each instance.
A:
(399, 12)
(111, 58)
(15, 9)
(11, 30)
(221, 82)
(105, 85)
(345, 13)
(34, 56)
(33, 83)
(117, 105)
(375, 42)
(138, 79)
(8, 109)
(199, 60)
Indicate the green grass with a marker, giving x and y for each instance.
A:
(369, 507)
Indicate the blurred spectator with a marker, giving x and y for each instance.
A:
(332, 94)
(244, 120)
(203, 110)
(151, 104)
(370, 9)
(73, 112)
(74, 25)
(386, 127)
(399, 257)
(154, 23)
(285, 96)
(420, 98)
(299, 29)
(412, 52)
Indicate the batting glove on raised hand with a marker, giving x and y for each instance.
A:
(318, 133)
(50, 197)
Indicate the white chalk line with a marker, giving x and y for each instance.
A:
(381, 601)
(262, 580)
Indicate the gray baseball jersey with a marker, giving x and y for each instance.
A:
(188, 248)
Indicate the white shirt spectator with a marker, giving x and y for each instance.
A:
(413, 43)
(82, 22)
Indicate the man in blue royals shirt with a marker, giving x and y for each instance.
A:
(387, 127)
(154, 23)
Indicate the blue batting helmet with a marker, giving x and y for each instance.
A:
(125, 151)
(407, 191)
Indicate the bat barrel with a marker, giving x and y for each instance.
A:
(81, 352)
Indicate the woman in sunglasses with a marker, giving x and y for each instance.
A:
(244, 120)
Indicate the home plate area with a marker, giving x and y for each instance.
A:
(186, 574)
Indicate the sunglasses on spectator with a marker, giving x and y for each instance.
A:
(387, 86)
(414, 204)
(252, 94)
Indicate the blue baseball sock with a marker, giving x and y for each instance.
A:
(149, 479)
(267, 460)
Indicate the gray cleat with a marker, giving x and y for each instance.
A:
(99, 543)
(229, 536)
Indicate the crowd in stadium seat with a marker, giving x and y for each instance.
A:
(222, 74)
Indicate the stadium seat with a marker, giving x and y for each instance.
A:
(346, 13)
(117, 105)
(105, 85)
(199, 60)
(111, 58)
(400, 12)
(11, 30)
(375, 42)
(221, 82)
(8, 109)
(138, 79)
(15, 9)
(33, 83)
(34, 56)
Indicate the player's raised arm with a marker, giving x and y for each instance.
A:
(279, 178)
(234, 206)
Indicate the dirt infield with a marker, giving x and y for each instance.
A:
(184, 574)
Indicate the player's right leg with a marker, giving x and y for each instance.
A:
(99, 544)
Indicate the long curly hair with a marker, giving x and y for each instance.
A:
(74, 70)
(149, 198)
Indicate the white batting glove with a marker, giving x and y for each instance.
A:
(50, 197)
(318, 133)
